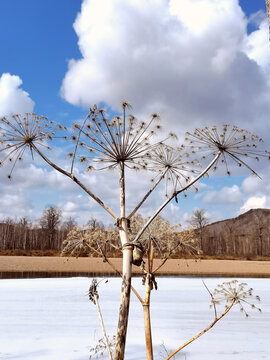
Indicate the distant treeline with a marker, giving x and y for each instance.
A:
(26, 237)
(247, 235)
(47, 233)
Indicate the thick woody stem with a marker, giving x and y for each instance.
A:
(126, 272)
(147, 325)
(72, 177)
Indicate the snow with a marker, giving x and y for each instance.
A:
(53, 319)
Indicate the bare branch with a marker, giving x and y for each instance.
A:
(175, 194)
(72, 177)
(148, 194)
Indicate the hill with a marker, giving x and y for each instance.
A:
(246, 235)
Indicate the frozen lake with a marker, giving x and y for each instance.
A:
(52, 319)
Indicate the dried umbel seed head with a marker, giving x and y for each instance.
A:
(82, 241)
(164, 237)
(21, 132)
(174, 164)
(121, 139)
(230, 142)
(237, 292)
(92, 292)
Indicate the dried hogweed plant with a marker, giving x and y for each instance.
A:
(108, 142)
(124, 143)
(235, 293)
(159, 240)
(228, 144)
(175, 165)
(19, 133)
(105, 343)
(231, 293)
(231, 143)
(166, 239)
(89, 241)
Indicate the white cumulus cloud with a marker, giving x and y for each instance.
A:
(225, 195)
(13, 99)
(255, 47)
(254, 203)
(190, 60)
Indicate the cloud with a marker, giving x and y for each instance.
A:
(15, 204)
(34, 181)
(254, 203)
(253, 185)
(12, 98)
(254, 45)
(190, 60)
(227, 195)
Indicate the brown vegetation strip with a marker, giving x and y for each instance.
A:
(21, 264)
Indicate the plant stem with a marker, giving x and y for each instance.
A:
(72, 177)
(202, 332)
(126, 272)
(77, 142)
(148, 194)
(103, 327)
(173, 195)
(146, 305)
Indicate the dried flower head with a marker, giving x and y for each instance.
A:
(166, 238)
(90, 240)
(234, 291)
(18, 133)
(92, 292)
(174, 164)
(120, 139)
(231, 142)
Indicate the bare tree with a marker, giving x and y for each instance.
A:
(69, 224)
(199, 220)
(50, 221)
(125, 144)
(95, 223)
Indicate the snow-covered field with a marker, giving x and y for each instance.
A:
(52, 319)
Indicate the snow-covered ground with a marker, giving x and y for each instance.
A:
(52, 319)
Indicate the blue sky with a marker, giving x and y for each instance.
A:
(37, 39)
(135, 51)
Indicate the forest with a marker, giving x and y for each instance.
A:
(244, 236)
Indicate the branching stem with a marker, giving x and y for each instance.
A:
(202, 332)
(149, 193)
(77, 142)
(103, 327)
(175, 194)
(72, 177)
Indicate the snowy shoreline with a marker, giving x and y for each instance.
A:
(52, 319)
